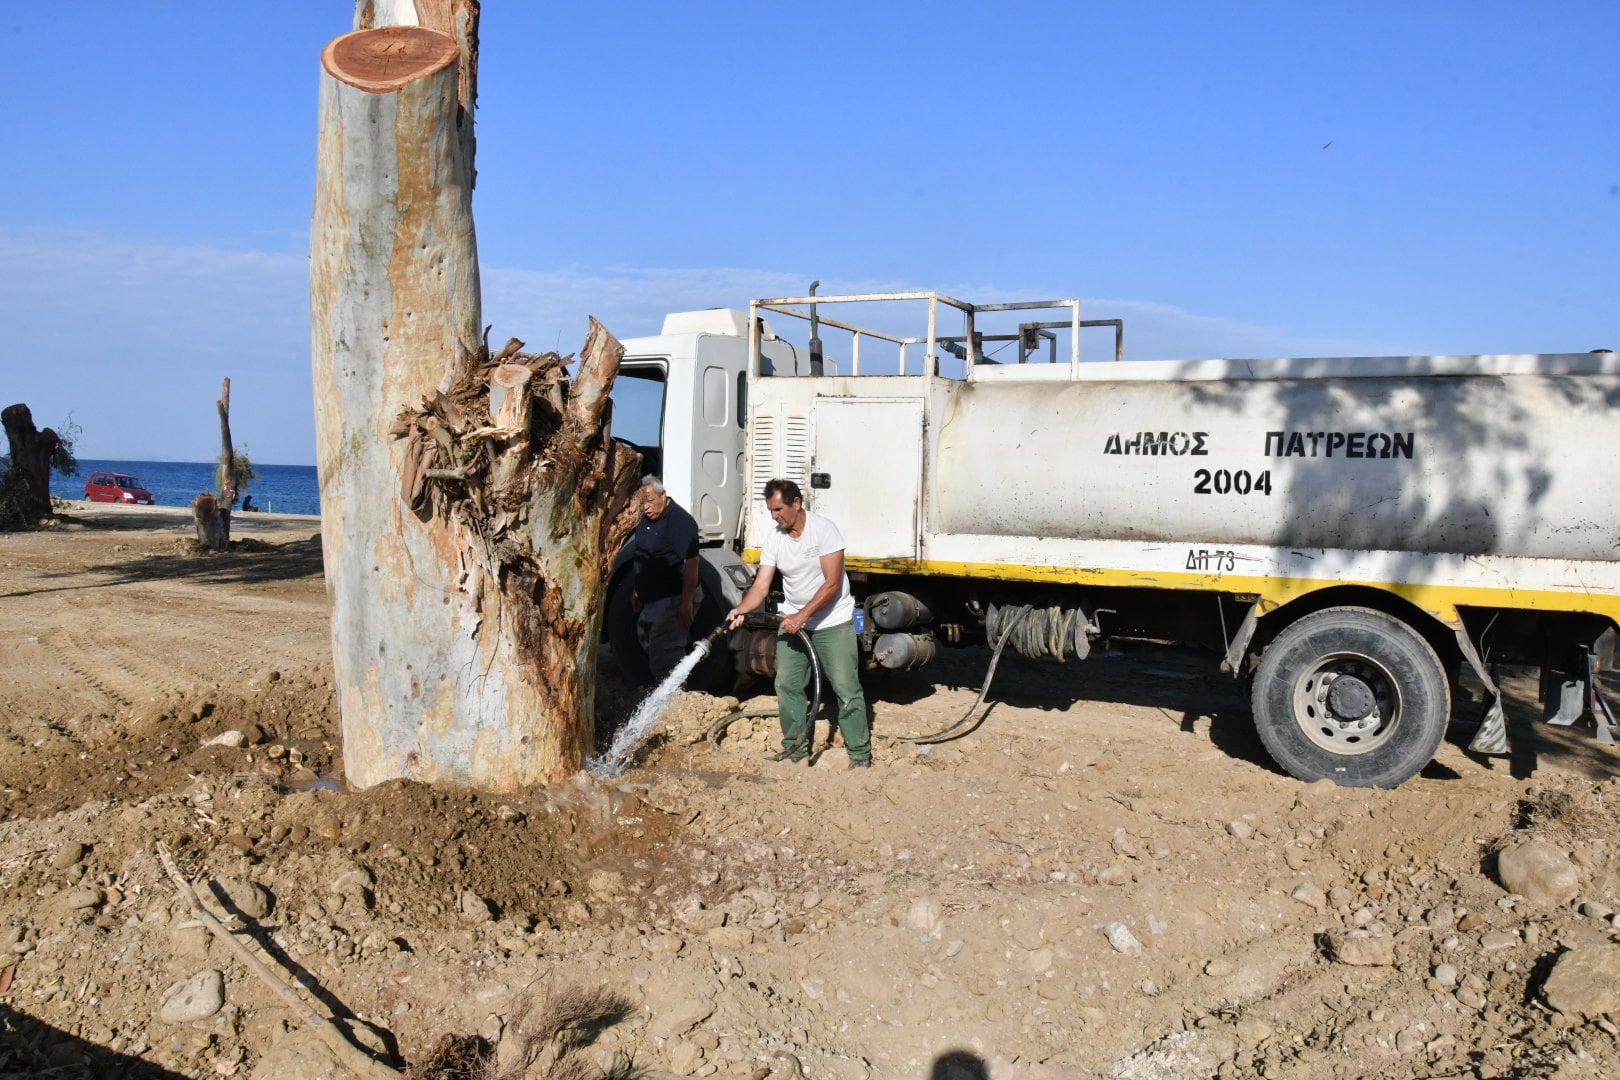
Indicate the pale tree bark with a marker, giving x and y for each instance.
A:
(466, 543)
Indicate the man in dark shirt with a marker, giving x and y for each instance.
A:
(666, 577)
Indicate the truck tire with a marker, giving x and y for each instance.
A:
(713, 673)
(1351, 695)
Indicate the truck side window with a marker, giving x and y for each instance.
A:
(638, 405)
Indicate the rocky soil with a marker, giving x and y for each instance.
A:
(1107, 878)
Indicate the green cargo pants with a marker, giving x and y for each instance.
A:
(840, 658)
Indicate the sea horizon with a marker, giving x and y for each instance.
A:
(281, 489)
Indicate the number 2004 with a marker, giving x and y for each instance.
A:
(1225, 482)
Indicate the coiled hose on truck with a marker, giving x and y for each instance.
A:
(1041, 632)
(1006, 619)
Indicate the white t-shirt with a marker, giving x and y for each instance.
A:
(798, 561)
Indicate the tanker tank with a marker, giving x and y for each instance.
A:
(1475, 456)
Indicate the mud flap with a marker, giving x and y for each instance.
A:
(1492, 735)
(1491, 738)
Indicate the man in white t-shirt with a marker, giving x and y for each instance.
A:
(808, 551)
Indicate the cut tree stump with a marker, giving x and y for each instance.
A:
(469, 503)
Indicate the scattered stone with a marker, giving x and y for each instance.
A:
(681, 1019)
(1410, 1040)
(1242, 830)
(300, 1055)
(1470, 922)
(731, 937)
(80, 899)
(925, 915)
(67, 855)
(246, 897)
(1219, 968)
(1496, 940)
(1310, 896)
(1123, 941)
(1446, 974)
(1539, 872)
(474, 908)
(604, 883)
(684, 1057)
(1114, 874)
(1585, 982)
(232, 738)
(1470, 997)
(1441, 917)
(1592, 909)
(193, 999)
(1359, 948)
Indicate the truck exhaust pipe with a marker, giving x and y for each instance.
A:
(817, 365)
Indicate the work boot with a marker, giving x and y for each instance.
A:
(792, 753)
(860, 763)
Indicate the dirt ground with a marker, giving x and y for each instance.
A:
(1108, 878)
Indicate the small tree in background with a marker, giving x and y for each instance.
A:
(232, 482)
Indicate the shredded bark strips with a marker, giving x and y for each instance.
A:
(542, 484)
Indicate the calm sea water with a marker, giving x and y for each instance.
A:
(284, 489)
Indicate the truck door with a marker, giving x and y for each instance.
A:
(866, 472)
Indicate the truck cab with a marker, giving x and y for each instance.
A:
(681, 400)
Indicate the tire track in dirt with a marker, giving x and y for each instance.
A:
(69, 651)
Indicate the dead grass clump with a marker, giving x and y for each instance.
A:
(1567, 816)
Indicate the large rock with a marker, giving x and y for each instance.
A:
(196, 998)
(299, 1055)
(1359, 948)
(1585, 983)
(1539, 872)
(251, 899)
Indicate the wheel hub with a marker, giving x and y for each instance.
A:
(1350, 699)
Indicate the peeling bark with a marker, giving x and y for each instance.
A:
(470, 503)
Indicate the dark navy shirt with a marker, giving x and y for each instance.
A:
(663, 544)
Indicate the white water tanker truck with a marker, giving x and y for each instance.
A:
(1350, 534)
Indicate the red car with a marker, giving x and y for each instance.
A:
(115, 487)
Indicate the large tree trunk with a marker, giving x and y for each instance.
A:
(29, 480)
(465, 552)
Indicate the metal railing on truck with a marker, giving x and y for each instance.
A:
(966, 345)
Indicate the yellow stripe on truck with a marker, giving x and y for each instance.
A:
(1441, 601)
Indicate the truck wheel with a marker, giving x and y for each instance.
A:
(1352, 695)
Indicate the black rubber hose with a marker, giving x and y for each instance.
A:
(808, 740)
(1010, 619)
(962, 727)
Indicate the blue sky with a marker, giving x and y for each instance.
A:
(1233, 179)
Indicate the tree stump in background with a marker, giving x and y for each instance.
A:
(469, 504)
(29, 479)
